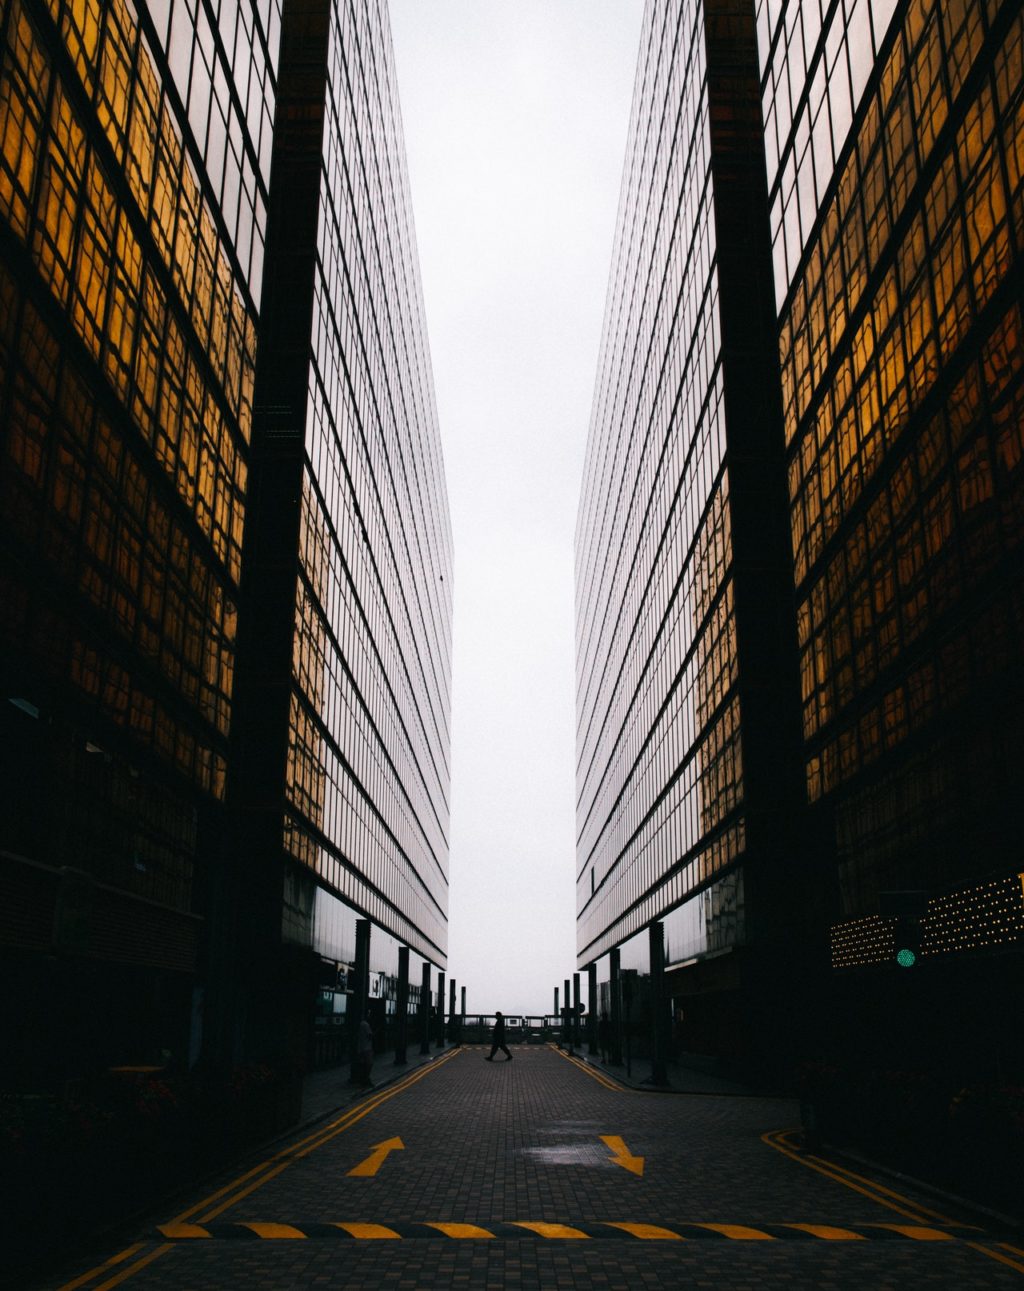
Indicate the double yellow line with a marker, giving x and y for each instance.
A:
(601, 1077)
(217, 1202)
(783, 1141)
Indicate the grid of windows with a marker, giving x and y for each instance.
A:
(129, 286)
(902, 353)
(368, 774)
(659, 766)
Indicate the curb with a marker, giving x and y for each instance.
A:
(952, 1199)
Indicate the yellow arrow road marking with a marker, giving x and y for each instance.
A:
(621, 1155)
(366, 1169)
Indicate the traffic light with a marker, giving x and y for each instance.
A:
(908, 940)
(906, 910)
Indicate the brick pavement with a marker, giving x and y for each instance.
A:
(522, 1141)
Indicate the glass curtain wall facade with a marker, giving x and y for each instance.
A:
(687, 746)
(343, 772)
(135, 144)
(895, 158)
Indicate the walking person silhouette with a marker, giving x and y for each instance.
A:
(498, 1037)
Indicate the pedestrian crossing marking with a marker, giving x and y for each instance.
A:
(547, 1230)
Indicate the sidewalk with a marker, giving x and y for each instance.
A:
(325, 1091)
(682, 1078)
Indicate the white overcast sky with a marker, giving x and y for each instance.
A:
(515, 116)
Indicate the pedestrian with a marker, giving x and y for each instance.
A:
(603, 1036)
(364, 1052)
(498, 1037)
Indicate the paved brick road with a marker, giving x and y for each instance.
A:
(512, 1143)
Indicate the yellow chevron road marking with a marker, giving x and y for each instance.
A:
(369, 1232)
(461, 1230)
(649, 1232)
(829, 1233)
(739, 1232)
(550, 1230)
(277, 1231)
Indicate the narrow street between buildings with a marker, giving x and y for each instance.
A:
(543, 1172)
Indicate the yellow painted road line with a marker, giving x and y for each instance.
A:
(257, 1176)
(279, 1231)
(132, 1269)
(739, 1232)
(114, 1260)
(461, 1230)
(937, 1216)
(369, 1232)
(997, 1255)
(601, 1077)
(296, 1151)
(823, 1168)
(649, 1232)
(550, 1230)
(918, 1232)
(876, 1192)
(829, 1233)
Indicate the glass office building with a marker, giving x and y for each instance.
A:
(688, 779)
(895, 159)
(342, 778)
(135, 145)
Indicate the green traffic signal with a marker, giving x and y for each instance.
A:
(906, 958)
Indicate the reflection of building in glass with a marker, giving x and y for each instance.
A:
(895, 154)
(687, 744)
(342, 779)
(134, 162)
(893, 142)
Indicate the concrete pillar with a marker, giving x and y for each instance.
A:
(556, 1002)
(362, 990)
(659, 1036)
(576, 1002)
(615, 1028)
(424, 1018)
(462, 1010)
(567, 1016)
(453, 1025)
(439, 1031)
(402, 1010)
(592, 1007)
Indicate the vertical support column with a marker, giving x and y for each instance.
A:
(659, 1039)
(402, 1011)
(358, 1001)
(615, 1039)
(557, 1014)
(592, 1007)
(439, 1031)
(567, 1016)
(462, 1010)
(576, 1001)
(453, 1025)
(424, 1018)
